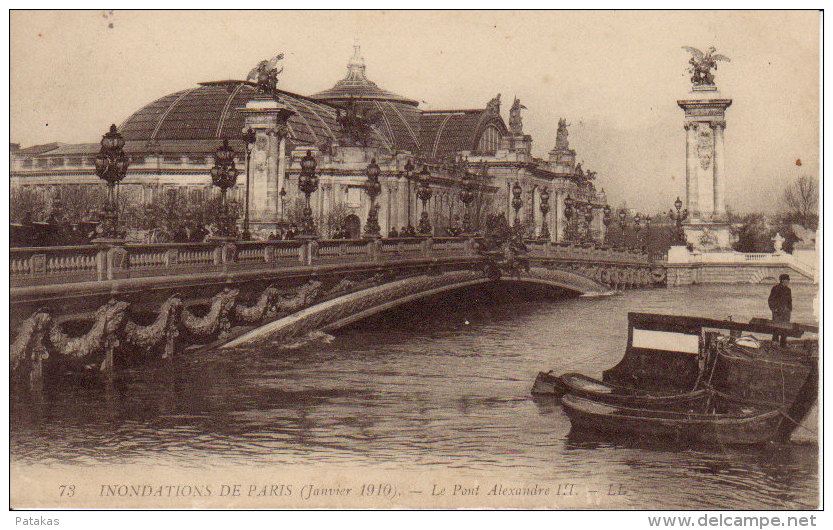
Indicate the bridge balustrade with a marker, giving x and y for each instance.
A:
(402, 248)
(58, 265)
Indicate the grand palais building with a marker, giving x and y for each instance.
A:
(171, 143)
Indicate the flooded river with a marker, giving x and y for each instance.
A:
(443, 385)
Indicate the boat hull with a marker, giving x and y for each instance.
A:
(582, 386)
(730, 429)
(547, 384)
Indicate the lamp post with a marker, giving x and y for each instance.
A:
(623, 223)
(282, 195)
(648, 233)
(606, 220)
(308, 183)
(373, 188)
(249, 137)
(409, 171)
(545, 208)
(516, 200)
(678, 218)
(568, 213)
(424, 193)
(111, 166)
(588, 218)
(637, 226)
(466, 196)
(224, 176)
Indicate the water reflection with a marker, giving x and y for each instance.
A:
(442, 385)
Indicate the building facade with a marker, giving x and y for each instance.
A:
(171, 143)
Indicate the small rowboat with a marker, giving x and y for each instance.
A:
(582, 386)
(746, 426)
(548, 384)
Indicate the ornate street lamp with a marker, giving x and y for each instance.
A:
(424, 193)
(623, 223)
(545, 208)
(679, 217)
(282, 195)
(466, 196)
(111, 166)
(516, 200)
(409, 171)
(373, 188)
(607, 219)
(637, 226)
(648, 233)
(308, 183)
(249, 138)
(588, 218)
(568, 213)
(224, 176)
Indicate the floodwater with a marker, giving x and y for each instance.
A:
(435, 386)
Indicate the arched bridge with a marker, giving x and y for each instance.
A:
(92, 305)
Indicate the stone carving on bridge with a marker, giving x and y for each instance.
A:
(502, 248)
(303, 297)
(254, 313)
(28, 350)
(216, 320)
(346, 285)
(162, 332)
(102, 336)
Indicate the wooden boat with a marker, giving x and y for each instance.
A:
(548, 384)
(587, 387)
(746, 426)
(673, 353)
(669, 359)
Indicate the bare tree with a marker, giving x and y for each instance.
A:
(801, 199)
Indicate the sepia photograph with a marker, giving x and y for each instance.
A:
(415, 259)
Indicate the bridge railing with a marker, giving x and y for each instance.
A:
(108, 261)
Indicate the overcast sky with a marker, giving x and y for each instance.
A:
(615, 77)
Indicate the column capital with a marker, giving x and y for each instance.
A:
(691, 125)
(717, 125)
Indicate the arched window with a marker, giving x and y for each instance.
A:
(489, 140)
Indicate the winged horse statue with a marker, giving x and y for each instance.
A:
(265, 74)
(702, 63)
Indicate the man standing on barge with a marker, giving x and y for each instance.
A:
(781, 304)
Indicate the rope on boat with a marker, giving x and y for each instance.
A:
(761, 404)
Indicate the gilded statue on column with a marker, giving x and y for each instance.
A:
(701, 65)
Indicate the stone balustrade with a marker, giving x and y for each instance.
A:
(108, 261)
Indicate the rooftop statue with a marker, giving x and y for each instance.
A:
(493, 106)
(702, 64)
(561, 136)
(515, 121)
(265, 75)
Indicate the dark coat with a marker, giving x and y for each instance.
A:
(781, 298)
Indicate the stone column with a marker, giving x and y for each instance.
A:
(327, 207)
(719, 164)
(537, 218)
(403, 203)
(691, 188)
(282, 167)
(267, 118)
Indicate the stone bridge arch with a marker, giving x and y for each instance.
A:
(88, 306)
(332, 314)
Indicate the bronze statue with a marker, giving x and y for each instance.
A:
(561, 136)
(493, 105)
(265, 75)
(515, 121)
(702, 64)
